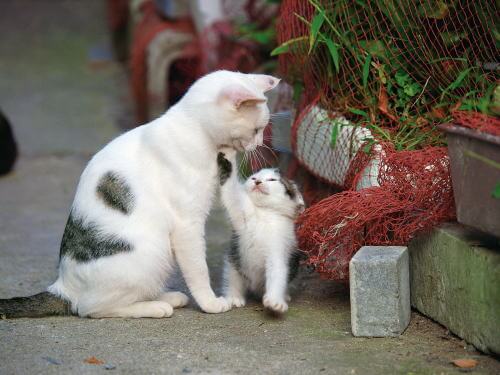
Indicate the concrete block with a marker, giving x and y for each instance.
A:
(455, 280)
(380, 291)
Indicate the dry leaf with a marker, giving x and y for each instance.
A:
(93, 361)
(383, 103)
(465, 363)
(438, 113)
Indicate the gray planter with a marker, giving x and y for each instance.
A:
(475, 171)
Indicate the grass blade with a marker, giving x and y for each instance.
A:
(285, 47)
(316, 24)
(335, 134)
(334, 52)
(366, 69)
(359, 112)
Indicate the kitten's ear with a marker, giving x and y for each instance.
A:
(265, 82)
(238, 96)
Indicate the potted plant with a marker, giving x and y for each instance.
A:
(474, 150)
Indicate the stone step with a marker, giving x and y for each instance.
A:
(455, 280)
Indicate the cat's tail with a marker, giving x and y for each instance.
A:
(37, 306)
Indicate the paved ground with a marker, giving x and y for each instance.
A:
(63, 110)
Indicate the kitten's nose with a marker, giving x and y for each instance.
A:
(258, 182)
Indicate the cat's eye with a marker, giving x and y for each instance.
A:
(253, 178)
(272, 179)
(257, 131)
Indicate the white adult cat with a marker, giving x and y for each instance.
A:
(263, 256)
(142, 202)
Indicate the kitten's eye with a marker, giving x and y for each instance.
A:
(253, 178)
(257, 131)
(272, 179)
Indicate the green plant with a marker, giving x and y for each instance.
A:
(384, 78)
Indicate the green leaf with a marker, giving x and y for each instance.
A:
(413, 89)
(358, 112)
(263, 37)
(496, 191)
(334, 52)
(402, 78)
(366, 69)
(335, 134)
(463, 74)
(285, 46)
(316, 23)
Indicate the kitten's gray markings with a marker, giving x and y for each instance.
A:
(85, 242)
(290, 188)
(225, 168)
(294, 265)
(115, 192)
(233, 254)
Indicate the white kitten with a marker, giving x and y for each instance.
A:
(263, 256)
(142, 202)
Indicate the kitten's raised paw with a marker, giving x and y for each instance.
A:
(236, 301)
(216, 305)
(274, 304)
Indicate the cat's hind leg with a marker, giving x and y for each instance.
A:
(146, 309)
(234, 288)
(175, 299)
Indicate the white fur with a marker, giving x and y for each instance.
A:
(170, 166)
(263, 218)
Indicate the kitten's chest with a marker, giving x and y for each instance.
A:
(254, 250)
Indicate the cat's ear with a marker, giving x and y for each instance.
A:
(239, 96)
(265, 82)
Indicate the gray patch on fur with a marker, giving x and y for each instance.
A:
(115, 192)
(290, 188)
(296, 257)
(225, 168)
(85, 242)
(233, 254)
(37, 306)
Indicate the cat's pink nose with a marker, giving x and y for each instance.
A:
(258, 182)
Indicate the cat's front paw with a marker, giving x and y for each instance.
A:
(277, 305)
(216, 305)
(236, 301)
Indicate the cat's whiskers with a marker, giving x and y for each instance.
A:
(243, 161)
(255, 157)
(261, 158)
(270, 148)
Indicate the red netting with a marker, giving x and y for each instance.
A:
(414, 195)
(477, 121)
(377, 77)
(392, 59)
